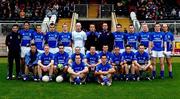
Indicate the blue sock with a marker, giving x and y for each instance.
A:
(154, 73)
(115, 76)
(162, 73)
(133, 75)
(127, 75)
(121, 76)
(170, 74)
(64, 75)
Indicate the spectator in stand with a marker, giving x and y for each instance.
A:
(173, 12)
(22, 14)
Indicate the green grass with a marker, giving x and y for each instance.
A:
(158, 89)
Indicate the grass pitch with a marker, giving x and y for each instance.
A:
(156, 89)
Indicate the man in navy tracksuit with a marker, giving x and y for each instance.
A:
(106, 38)
(13, 41)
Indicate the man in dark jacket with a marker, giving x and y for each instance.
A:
(106, 37)
(92, 37)
(13, 41)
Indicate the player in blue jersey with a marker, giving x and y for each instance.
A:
(65, 38)
(143, 63)
(144, 37)
(92, 60)
(127, 62)
(115, 62)
(170, 48)
(104, 72)
(158, 45)
(39, 39)
(51, 38)
(27, 35)
(77, 52)
(31, 63)
(106, 52)
(61, 62)
(78, 71)
(46, 63)
(132, 38)
(119, 38)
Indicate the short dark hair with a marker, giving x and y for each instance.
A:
(77, 55)
(93, 46)
(103, 55)
(60, 45)
(116, 46)
(15, 25)
(118, 25)
(27, 22)
(131, 25)
(128, 46)
(157, 23)
(32, 44)
(92, 24)
(38, 25)
(141, 45)
(51, 24)
(105, 45)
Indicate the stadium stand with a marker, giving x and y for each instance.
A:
(94, 11)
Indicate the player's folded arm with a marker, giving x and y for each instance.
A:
(98, 72)
(71, 71)
(137, 64)
(86, 62)
(149, 63)
(40, 64)
(111, 71)
(51, 64)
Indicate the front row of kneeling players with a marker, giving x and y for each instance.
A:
(101, 67)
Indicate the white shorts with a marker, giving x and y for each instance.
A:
(122, 50)
(24, 50)
(168, 54)
(68, 50)
(82, 50)
(41, 51)
(54, 50)
(157, 54)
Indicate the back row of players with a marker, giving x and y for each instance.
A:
(157, 44)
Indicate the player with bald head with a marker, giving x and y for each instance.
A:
(79, 37)
(144, 36)
(170, 47)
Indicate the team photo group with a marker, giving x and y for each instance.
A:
(80, 57)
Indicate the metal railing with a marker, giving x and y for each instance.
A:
(5, 28)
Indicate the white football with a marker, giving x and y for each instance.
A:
(59, 79)
(45, 78)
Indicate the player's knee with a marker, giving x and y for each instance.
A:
(150, 68)
(161, 63)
